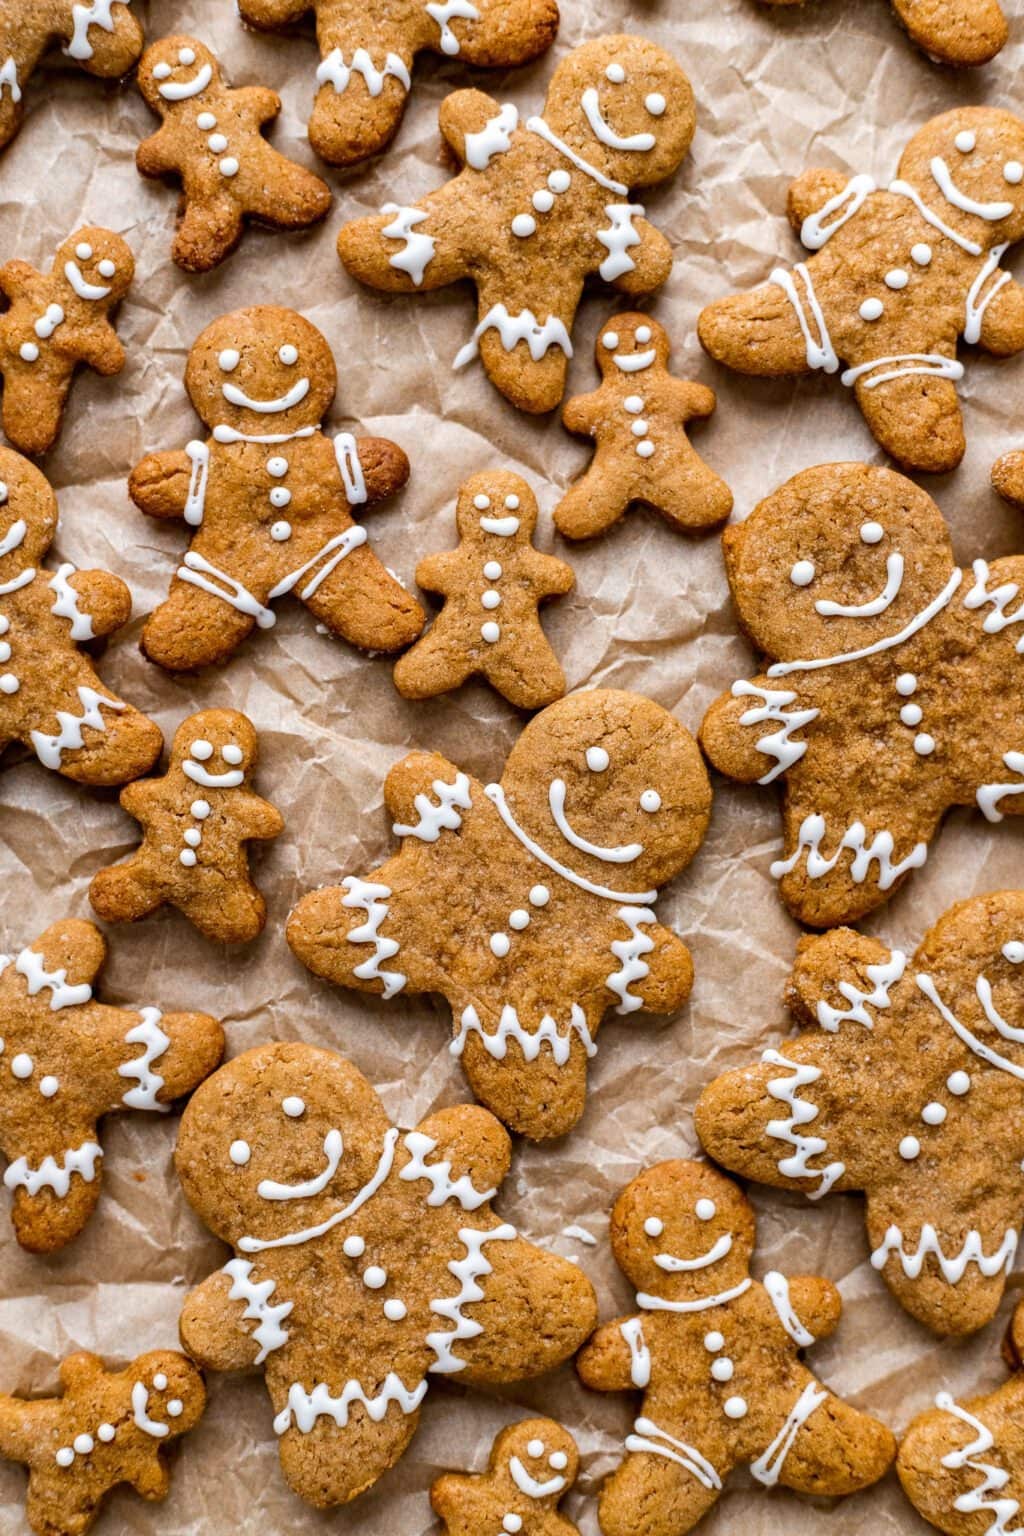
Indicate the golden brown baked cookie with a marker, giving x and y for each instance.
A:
(717, 1357)
(367, 49)
(493, 585)
(962, 1464)
(100, 36)
(67, 1060)
(56, 322)
(211, 140)
(896, 277)
(197, 821)
(533, 1465)
(637, 419)
(106, 1428)
(50, 696)
(1008, 476)
(540, 206)
(391, 1265)
(904, 1085)
(529, 904)
(895, 690)
(949, 31)
(268, 498)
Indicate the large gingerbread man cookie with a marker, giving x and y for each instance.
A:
(533, 1464)
(56, 322)
(529, 904)
(367, 52)
(539, 207)
(100, 36)
(368, 1259)
(51, 698)
(953, 32)
(895, 278)
(716, 1355)
(938, 1153)
(493, 585)
(637, 420)
(211, 140)
(895, 689)
(269, 498)
(106, 1428)
(67, 1059)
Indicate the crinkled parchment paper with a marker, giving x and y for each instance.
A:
(832, 83)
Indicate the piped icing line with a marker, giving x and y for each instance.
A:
(882, 976)
(151, 1037)
(202, 573)
(339, 547)
(777, 1287)
(632, 1331)
(768, 1466)
(373, 900)
(334, 71)
(981, 1048)
(820, 351)
(9, 79)
(979, 596)
(202, 776)
(977, 299)
(529, 1041)
(887, 643)
(495, 793)
(894, 566)
(69, 738)
(904, 189)
(538, 126)
(629, 953)
(989, 795)
(433, 819)
(802, 1112)
(953, 1266)
(816, 231)
(469, 1270)
(184, 90)
(854, 840)
(650, 1437)
(269, 1334)
(54, 1173)
(626, 853)
(618, 239)
(775, 706)
(303, 1408)
(85, 290)
(540, 336)
(651, 1303)
(334, 1147)
(346, 455)
(224, 434)
(994, 1479)
(494, 138)
(530, 1485)
(65, 604)
(418, 249)
(983, 988)
(308, 1234)
(14, 538)
(195, 501)
(17, 582)
(991, 212)
(900, 365)
(98, 13)
(438, 1175)
(672, 1265)
(140, 1413)
(443, 13)
(63, 994)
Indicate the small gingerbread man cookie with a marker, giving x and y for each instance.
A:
(211, 140)
(106, 1428)
(50, 696)
(55, 322)
(100, 36)
(368, 1261)
(197, 821)
(539, 207)
(717, 1357)
(67, 1059)
(533, 1465)
(269, 498)
(493, 585)
(955, 32)
(637, 419)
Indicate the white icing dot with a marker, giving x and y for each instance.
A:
(228, 167)
(650, 801)
(559, 181)
(523, 225)
(633, 404)
(161, 71)
(83, 251)
(206, 121)
(654, 1226)
(906, 684)
(374, 1277)
(871, 309)
(705, 1210)
(232, 754)
(921, 254)
(218, 143)
(802, 573)
(280, 496)
(28, 352)
(1014, 952)
(519, 919)
(9, 683)
(735, 1408)
(490, 599)
(288, 354)
(5, 651)
(610, 339)
(193, 837)
(239, 1153)
(83, 1444)
(897, 279)
(175, 1407)
(394, 1310)
(492, 570)
(910, 714)
(293, 1106)
(643, 334)
(558, 1460)
(933, 1114)
(490, 631)
(924, 745)
(645, 449)
(535, 1448)
(597, 759)
(965, 141)
(512, 502)
(202, 750)
(722, 1369)
(543, 200)
(187, 857)
(277, 466)
(228, 360)
(481, 502)
(714, 1341)
(639, 428)
(958, 1083)
(909, 1148)
(1013, 172)
(186, 56)
(106, 267)
(200, 809)
(655, 104)
(871, 533)
(615, 73)
(106, 1433)
(21, 1066)
(160, 1381)
(500, 945)
(354, 1247)
(48, 1087)
(539, 896)
(65, 1456)
(281, 531)
(512, 1523)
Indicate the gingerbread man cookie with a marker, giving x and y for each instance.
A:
(717, 1357)
(955, 32)
(493, 585)
(50, 696)
(637, 420)
(533, 1465)
(393, 1267)
(212, 141)
(539, 207)
(101, 36)
(898, 688)
(67, 1059)
(962, 1464)
(196, 821)
(55, 322)
(528, 904)
(896, 277)
(367, 53)
(269, 499)
(106, 1428)
(938, 1154)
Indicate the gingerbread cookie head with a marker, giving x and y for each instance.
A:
(97, 265)
(496, 503)
(168, 1398)
(28, 515)
(973, 158)
(631, 343)
(215, 749)
(681, 1230)
(175, 70)
(243, 377)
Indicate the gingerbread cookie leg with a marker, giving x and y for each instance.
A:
(914, 417)
(598, 500)
(208, 231)
(1008, 476)
(436, 664)
(634, 1499)
(528, 681)
(124, 893)
(363, 85)
(193, 627)
(361, 601)
(955, 31)
(523, 340)
(33, 407)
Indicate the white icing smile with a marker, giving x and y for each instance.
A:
(674, 1266)
(236, 396)
(635, 362)
(529, 1485)
(307, 1234)
(884, 600)
(269, 1189)
(199, 775)
(14, 538)
(606, 134)
(504, 527)
(181, 91)
(951, 192)
(626, 853)
(85, 290)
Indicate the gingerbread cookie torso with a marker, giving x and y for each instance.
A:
(68, 1059)
(529, 904)
(493, 585)
(392, 1267)
(956, 32)
(716, 1355)
(269, 499)
(938, 1152)
(533, 1464)
(196, 821)
(895, 278)
(107, 1428)
(100, 36)
(367, 50)
(540, 206)
(51, 698)
(889, 658)
(56, 322)
(637, 420)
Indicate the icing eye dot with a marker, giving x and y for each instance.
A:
(650, 801)
(394, 1310)
(655, 104)
(175, 1407)
(293, 1106)
(802, 573)
(512, 502)
(201, 749)
(559, 181)
(597, 759)
(1013, 172)
(160, 1381)
(610, 340)
(233, 755)
(481, 503)
(288, 355)
(615, 73)
(354, 1247)
(559, 1460)
(539, 896)
(161, 71)
(906, 684)
(921, 254)
(872, 309)
(871, 533)
(83, 251)
(375, 1277)
(106, 268)
(240, 1153)
(228, 360)
(643, 334)
(965, 141)
(705, 1209)
(910, 1147)
(654, 1226)
(958, 1083)
(1014, 952)
(187, 56)
(897, 279)
(535, 1448)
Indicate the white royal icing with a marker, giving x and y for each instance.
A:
(538, 126)
(418, 249)
(98, 13)
(305, 1408)
(768, 1466)
(977, 299)
(69, 738)
(629, 952)
(84, 289)
(618, 239)
(494, 138)
(980, 1048)
(539, 336)
(444, 816)
(443, 12)
(309, 1234)
(63, 994)
(777, 1287)
(438, 1175)
(530, 1041)
(990, 795)
(495, 793)
(182, 90)
(625, 853)
(954, 1265)
(530, 1485)
(334, 71)
(9, 79)
(818, 343)
(65, 604)
(150, 1036)
(802, 1112)
(855, 840)
(817, 229)
(701, 1304)
(269, 1334)
(943, 179)
(373, 899)
(650, 1438)
(994, 1479)
(605, 133)
(883, 975)
(469, 1270)
(632, 1331)
(774, 706)
(270, 1189)
(54, 1173)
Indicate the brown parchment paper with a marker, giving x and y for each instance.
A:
(834, 82)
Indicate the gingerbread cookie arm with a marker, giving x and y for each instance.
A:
(809, 193)
(963, 32)
(430, 244)
(837, 1448)
(267, 15)
(92, 736)
(260, 104)
(463, 113)
(694, 402)
(20, 280)
(755, 333)
(160, 154)
(99, 347)
(23, 1425)
(816, 1304)
(213, 1327)
(584, 413)
(829, 965)
(442, 573)
(1008, 476)
(103, 599)
(56, 1192)
(605, 1363)
(668, 978)
(113, 49)
(472, 1142)
(140, 1059)
(1002, 321)
(652, 261)
(677, 1499)
(734, 733)
(256, 817)
(553, 578)
(159, 483)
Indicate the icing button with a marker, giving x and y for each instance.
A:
(523, 225)
(500, 945)
(722, 1368)
(958, 1083)
(736, 1408)
(280, 532)
(910, 1148)
(872, 309)
(519, 919)
(539, 896)
(559, 181)
(921, 254)
(490, 631)
(543, 200)
(933, 1114)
